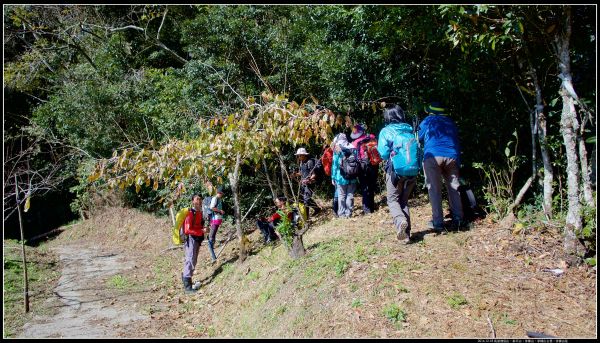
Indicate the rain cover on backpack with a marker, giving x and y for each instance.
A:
(368, 149)
(406, 156)
(350, 166)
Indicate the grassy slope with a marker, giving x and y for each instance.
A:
(356, 281)
(42, 273)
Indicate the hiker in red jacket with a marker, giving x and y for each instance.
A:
(327, 162)
(267, 225)
(193, 231)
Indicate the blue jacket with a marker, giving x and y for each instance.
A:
(336, 175)
(440, 135)
(386, 139)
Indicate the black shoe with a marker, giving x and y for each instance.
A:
(187, 285)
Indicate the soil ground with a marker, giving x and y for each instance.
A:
(119, 278)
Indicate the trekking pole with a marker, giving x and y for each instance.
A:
(224, 244)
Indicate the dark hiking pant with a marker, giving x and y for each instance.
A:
(398, 193)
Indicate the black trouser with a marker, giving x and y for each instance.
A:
(308, 200)
(335, 201)
(267, 230)
(368, 186)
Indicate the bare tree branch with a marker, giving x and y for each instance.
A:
(162, 22)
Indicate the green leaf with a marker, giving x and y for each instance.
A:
(507, 151)
(591, 261)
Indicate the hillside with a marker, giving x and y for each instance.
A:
(355, 281)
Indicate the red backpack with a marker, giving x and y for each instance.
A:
(367, 148)
(327, 160)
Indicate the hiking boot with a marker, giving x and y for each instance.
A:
(458, 224)
(403, 234)
(187, 285)
(437, 228)
(211, 250)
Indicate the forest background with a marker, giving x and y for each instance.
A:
(87, 85)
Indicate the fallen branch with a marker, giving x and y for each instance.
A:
(173, 247)
(491, 326)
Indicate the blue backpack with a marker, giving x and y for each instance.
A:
(407, 155)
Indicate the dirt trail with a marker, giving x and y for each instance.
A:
(88, 306)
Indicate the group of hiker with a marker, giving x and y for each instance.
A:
(353, 165)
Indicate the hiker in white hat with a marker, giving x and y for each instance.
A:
(307, 175)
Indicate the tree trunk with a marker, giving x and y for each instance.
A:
(297, 249)
(172, 212)
(585, 172)
(234, 181)
(540, 119)
(573, 221)
(569, 129)
(287, 179)
(542, 131)
(548, 172)
(284, 182)
(273, 193)
(25, 282)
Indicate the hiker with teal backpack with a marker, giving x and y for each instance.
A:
(398, 145)
(193, 232)
(441, 159)
(216, 219)
(345, 169)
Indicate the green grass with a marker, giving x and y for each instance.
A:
(163, 270)
(401, 288)
(506, 320)
(43, 269)
(394, 313)
(120, 282)
(268, 293)
(326, 258)
(456, 300)
(253, 275)
(356, 303)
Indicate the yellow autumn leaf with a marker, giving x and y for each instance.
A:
(27, 203)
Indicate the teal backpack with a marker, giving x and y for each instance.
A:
(406, 154)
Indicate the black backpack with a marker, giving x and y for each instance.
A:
(350, 166)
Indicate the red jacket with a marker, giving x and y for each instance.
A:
(327, 160)
(275, 218)
(193, 224)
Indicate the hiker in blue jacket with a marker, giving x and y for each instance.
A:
(399, 187)
(441, 158)
(345, 188)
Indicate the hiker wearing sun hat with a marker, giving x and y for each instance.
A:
(441, 158)
(307, 175)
